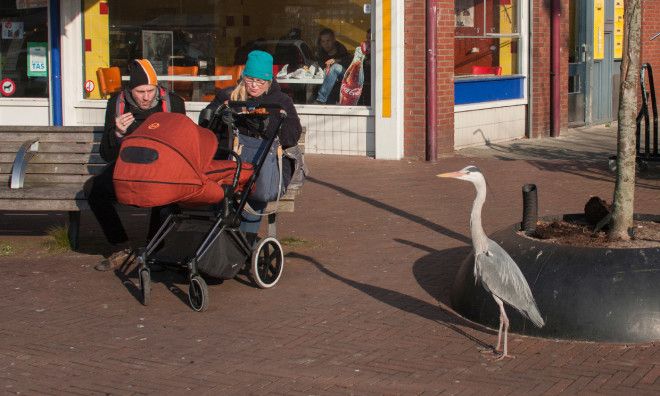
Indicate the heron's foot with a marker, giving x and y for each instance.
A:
(502, 356)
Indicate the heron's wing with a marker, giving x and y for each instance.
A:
(501, 275)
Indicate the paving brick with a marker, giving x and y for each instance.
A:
(363, 307)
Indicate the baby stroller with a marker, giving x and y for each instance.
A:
(170, 159)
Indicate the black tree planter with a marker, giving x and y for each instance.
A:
(595, 294)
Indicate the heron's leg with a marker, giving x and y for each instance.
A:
(499, 333)
(504, 323)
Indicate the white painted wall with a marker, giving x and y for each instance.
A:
(338, 130)
(24, 111)
(481, 126)
(389, 130)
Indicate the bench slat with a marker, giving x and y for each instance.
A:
(43, 204)
(52, 137)
(42, 191)
(49, 178)
(49, 129)
(48, 147)
(67, 169)
(58, 158)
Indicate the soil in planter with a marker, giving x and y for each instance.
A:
(646, 235)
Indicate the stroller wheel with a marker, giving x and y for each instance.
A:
(145, 286)
(267, 262)
(198, 294)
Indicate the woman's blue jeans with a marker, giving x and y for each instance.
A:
(336, 73)
(251, 222)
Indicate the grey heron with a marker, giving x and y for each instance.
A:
(493, 266)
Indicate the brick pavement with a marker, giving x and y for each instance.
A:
(362, 307)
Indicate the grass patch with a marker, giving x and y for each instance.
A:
(6, 249)
(294, 242)
(58, 239)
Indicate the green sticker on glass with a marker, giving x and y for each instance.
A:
(37, 59)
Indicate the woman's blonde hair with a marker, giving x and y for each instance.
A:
(240, 93)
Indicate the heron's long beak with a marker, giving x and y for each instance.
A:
(454, 175)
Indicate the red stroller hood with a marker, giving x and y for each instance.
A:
(196, 144)
(169, 159)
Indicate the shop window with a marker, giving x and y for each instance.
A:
(23, 50)
(486, 43)
(216, 35)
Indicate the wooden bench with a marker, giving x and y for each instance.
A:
(45, 169)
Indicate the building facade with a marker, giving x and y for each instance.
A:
(492, 60)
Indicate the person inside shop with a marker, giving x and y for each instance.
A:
(257, 85)
(125, 111)
(334, 57)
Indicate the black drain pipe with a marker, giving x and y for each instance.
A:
(530, 209)
(431, 81)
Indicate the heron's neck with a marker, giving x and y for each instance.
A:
(479, 238)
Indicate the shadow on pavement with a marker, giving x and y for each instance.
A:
(435, 272)
(405, 303)
(128, 276)
(399, 212)
(583, 153)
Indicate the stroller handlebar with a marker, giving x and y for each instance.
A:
(252, 105)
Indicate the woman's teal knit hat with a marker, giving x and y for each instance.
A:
(259, 65)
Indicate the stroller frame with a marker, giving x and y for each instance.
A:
(266, 257)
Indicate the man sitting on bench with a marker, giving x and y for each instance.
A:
(125, 111)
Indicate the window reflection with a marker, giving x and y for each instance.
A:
(216, 35)
(23, 51)
(486, 38)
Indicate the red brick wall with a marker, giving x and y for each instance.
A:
(415, 78)
(415, 91)
(414, 140)
(541, 64)
(445, 73)
(651, 26)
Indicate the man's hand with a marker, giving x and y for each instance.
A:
(122, 123)
(330, 62)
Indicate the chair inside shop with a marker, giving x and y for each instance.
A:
(234, 71)
(109, 80)
(492, 70)
(183, 88)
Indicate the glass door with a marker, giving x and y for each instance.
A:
(578, 56)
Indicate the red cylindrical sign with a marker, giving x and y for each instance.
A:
(7, 87)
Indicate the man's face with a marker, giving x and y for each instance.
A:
(327, 42)
(144, 96)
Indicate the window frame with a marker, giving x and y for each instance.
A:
(520, 90)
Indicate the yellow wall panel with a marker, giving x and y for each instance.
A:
(97, 31)
(599, 29)
(618, 28)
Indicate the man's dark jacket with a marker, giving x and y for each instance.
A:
(109, 149)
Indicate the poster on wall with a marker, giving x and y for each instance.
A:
(464, 13)
(12, 30)
(37, 59)
(158, 47)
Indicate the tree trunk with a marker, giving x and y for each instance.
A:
(624, 189)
